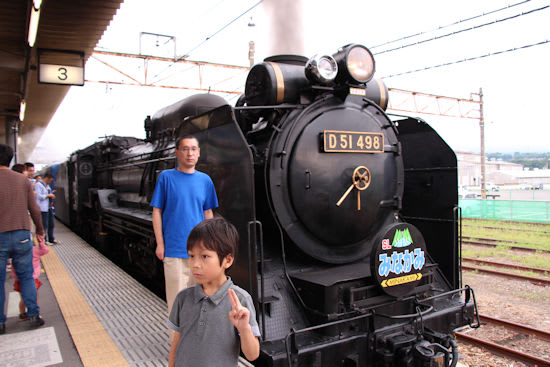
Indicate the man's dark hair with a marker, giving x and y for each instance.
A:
(186, 137)
(6, 154)
(215, 234)
(29, 164)
(19, 167)
(47, 175)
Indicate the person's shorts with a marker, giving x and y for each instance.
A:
(17, 286)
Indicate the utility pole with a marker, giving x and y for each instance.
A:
(251, 50)
(251, 45)
(482, 135)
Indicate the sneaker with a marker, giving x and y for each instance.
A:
(54, 242)
(36, 321)
(23, 317)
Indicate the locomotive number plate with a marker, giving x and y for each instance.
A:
(352, 142)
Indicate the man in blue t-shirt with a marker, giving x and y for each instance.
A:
(183, 198)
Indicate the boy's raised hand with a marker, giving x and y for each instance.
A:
(239, 315)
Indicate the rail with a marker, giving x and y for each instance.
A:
(505, 265)
(503, 350)
(496, 244)
(507, 275)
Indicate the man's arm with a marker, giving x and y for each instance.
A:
(173, 348)
(33, 208)
(208, 214)
(41, 192)
(157, 228)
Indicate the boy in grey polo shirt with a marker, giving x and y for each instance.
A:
(214, 319)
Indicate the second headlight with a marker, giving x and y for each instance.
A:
(321, 69)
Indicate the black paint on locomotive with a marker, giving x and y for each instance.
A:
(319, 181)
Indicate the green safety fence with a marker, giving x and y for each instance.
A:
(515, 210)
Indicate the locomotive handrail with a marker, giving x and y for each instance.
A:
(448, 293)
(290, 339)
(136, 164)
(430, 169)
(457, 242)
(262, 286)
(407, 316)
(467, 289)
(279, 106)
(135, 156)
(429, 218)
(467, 298)
(140, 155)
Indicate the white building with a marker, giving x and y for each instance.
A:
(537, 176)
(498, 172)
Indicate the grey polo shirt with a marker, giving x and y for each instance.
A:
(208, 339)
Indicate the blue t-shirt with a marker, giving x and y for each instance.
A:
(183, 198)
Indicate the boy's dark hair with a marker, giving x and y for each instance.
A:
(19, 167)
(29, 164)
(215, 234)
(6, 154)
(47, 175)
(186, 137)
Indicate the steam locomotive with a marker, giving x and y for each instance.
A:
(348, 218)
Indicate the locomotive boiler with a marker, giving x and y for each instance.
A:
(348, 218)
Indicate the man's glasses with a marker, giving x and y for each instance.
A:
(193, 150)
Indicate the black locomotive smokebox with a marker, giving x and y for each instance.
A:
(398, 258)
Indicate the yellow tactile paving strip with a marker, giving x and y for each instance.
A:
(94, 345)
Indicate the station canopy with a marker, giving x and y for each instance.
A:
(68, 31)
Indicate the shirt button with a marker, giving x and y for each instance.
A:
(203, 310)
(201, 323)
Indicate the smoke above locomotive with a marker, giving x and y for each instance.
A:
(347, 215)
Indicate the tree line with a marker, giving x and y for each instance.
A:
(527, 160)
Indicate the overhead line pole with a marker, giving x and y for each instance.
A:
(482, 137)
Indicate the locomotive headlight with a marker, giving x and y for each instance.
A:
(358, 61)
(322, 69)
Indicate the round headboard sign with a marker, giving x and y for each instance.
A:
(398, 259)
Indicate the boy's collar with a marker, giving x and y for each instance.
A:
(198, 294)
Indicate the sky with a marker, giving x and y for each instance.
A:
(515, 84)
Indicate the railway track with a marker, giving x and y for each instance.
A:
(507, 228)
(507, 274)
(509, 266)
(503, 350)
(488, 242)
(534, 224)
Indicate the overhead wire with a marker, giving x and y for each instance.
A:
(463, 30)
(449, 25)
(467, 59)
(186, 54)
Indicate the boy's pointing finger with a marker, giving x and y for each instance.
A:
(235, 303)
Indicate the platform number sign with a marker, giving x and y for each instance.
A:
(61, 74)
